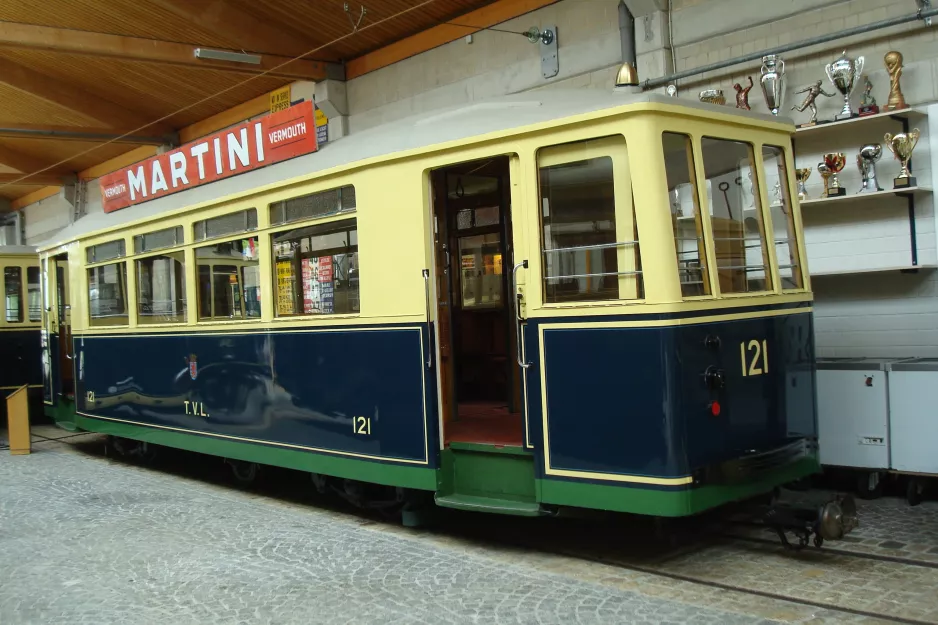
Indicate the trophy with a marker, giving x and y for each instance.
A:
(813, 92)
(844, 74)
(825, 172)
(742, 95)
(868, 103)
(712, 96)
(901, 146)
(893, 61)
(773, 81)
(802, 175)
(835, 162)
(866, 161)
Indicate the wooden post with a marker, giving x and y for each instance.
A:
(18, 421)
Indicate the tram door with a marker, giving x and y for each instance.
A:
(479, 380)
(57, 357)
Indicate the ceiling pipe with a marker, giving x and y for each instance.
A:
(98, 137)
(754, 56)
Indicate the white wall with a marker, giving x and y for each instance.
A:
(494, 64)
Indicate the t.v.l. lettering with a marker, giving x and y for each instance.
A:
(271, 139)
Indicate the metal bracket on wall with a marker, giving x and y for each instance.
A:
(550, 62)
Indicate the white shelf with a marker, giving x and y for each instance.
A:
(847, 272)
(745, 211)
(862, 197)
(910, 114)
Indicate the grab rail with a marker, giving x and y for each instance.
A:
(426, 288)
(518, 296)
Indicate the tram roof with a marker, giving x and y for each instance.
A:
(17, 250)
(408, 135)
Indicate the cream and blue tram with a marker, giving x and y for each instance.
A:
(566, 299)
(20, 327)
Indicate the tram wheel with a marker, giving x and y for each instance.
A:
(244, 472)
(870, 485)
(914, 491)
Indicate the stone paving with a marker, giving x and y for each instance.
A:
(87, 539)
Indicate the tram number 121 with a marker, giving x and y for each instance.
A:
(361, 425)
(755, 357)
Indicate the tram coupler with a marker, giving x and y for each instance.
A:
(830, 521)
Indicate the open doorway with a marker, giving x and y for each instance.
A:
(480, 382)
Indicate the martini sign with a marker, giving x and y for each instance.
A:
(250, 145)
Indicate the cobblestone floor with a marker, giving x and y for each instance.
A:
(87, 539)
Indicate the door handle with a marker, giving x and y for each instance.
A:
(426, 290)
(517, 297)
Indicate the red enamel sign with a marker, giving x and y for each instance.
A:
(250, 145)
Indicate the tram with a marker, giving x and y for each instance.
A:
(20, 323)
(563, 299)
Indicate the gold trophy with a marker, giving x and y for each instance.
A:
(893, 61)
(802, 175)
(834, 162)
(901, 146)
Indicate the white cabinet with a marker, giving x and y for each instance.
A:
(913, 415)
(853, 413)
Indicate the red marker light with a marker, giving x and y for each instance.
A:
(715, 408)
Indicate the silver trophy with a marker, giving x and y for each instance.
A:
(844, 73)
(866, 161)
(773, 81)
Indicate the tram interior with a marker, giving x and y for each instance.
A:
(481, 386)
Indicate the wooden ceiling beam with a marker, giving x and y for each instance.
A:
(17, 35)
(73, 98)
(28, 164)
(37, 180)
(246, 31)
(480, 19)
(92, 134)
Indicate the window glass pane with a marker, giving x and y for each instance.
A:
(170, 237)
(106, 288)
(480, 260)
(783, 220)
(13, 294)
(229, 285)
(316, 270)
(685, 215)
(317, 204)
(587, 255)
(105, 251)
(33, 294)
(242, 221)
(161, 289)
(736, 216)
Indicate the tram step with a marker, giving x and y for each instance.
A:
(489, 478)
(475, 503)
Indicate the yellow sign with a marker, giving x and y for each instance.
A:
(321, 119)
(280, 99)
(285, 303)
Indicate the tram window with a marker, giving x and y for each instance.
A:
(783, 220)
(686, 220)
(580, 238)
(107, 304)
(232, 223)
(480, 261)
(736, 216)
(229, 280)
(33, 294)
(105, 251)
(316, 270)
(319, 204)
(161, 289)
(151, 241)
(13, 294)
